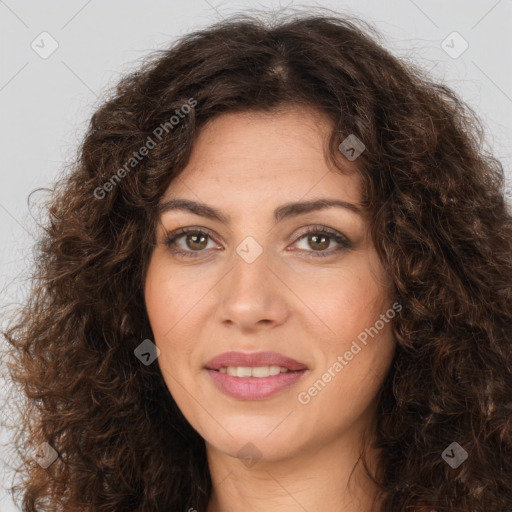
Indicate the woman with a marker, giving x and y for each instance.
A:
(278, 277)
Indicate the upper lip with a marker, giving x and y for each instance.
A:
(255, 359)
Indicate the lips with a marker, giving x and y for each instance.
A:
(253, 360)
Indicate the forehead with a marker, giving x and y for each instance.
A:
(254, 156)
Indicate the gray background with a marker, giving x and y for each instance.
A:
(45, 103)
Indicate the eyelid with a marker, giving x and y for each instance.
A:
(340, 239)
(172, 236)
(343, 242)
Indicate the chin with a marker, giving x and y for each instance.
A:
(257, 442)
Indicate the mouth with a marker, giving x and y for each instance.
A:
(254, 376)
(258, 372)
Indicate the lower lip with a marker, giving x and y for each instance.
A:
(254, 388)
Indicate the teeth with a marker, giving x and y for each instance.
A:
(256, 371)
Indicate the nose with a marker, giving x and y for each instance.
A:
(252, 295)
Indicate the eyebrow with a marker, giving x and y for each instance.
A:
(282, 212)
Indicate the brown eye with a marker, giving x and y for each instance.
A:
(195, 241)
(319, 238)
(318, 242)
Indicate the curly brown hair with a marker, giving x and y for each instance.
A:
(439, 221)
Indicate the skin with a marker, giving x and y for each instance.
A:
(287, 300)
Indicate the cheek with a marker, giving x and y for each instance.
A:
(172, 305)
(157, 297)
(353, 367)
(346, 300)
(170, 297)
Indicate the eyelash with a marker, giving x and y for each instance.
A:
(317, 230)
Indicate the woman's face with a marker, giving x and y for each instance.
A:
(256, 281)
